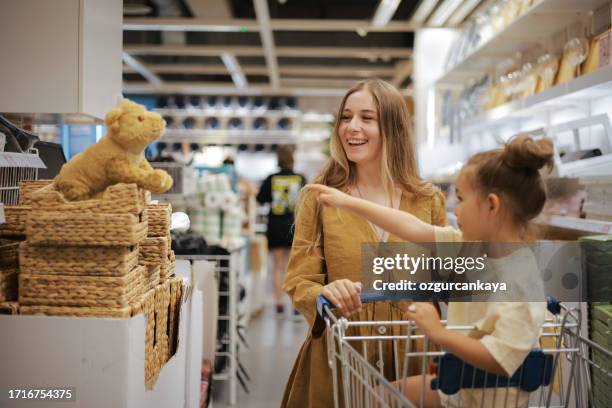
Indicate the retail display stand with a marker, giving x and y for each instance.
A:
(231, 265)
(100, 359)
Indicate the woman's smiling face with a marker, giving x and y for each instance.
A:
(359, 129)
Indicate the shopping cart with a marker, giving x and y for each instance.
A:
(560, 374)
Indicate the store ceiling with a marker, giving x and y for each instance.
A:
(293, 47)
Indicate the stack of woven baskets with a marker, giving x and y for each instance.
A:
(8, 276)
(12, 232)
(94, 258)
(81, 258)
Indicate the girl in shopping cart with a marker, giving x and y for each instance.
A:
(498, 193)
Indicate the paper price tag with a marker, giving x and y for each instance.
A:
(2, 219)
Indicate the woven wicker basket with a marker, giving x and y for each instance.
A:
(135, 307)
(159, 355)
(162, 307)
(176, 292)
(154, 251)
(8, 253)
(160, 218)
(27, 187)
(9, 308)
(86, 291)
(71, 260)
(116, 199)
(75, 311)
(171, 260)
(151, 360)
(151, 277)
(82, 229)
(15, 225)
(8, 285)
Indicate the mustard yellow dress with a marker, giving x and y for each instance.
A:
(310, 382)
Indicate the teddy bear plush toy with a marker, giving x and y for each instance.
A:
(118, 157)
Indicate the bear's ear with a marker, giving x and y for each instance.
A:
(112, 119)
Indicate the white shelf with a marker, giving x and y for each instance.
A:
(21, 160)
(229, 113)
(576, 224)
(542, 21)
(230, 136)
(589, 87)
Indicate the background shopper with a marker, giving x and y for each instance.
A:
(281, 190)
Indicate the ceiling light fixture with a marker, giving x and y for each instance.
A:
(424, 10)
(234, 69)
(443, 12)
(462, 12)
(384, 12)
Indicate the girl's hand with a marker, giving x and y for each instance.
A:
(329, 196)
(426, 318)
(344, 294)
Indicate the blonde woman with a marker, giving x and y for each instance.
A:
(372, 157)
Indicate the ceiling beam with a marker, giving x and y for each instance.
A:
(142, 69)
(250, 25)
(267, 41)
(255, 51)
(301, 70)
(199, 88)
(423, 11)
(228, 88)
(403, 70)
(234, 69)
(209, 8)
(318, 82)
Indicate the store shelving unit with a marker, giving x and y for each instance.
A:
(229, 113)
(222, 137)
(15, 167)
(233, 266)
(581, 90)
(574, 107)
(545, 18)
(577, 225)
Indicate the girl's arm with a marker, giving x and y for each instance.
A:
(466, 348)
(399, 223)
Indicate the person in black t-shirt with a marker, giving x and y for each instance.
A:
(281, 190)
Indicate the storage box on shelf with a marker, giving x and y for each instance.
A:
(117, 219)
(160, 219)
(598, 203)
(154, 252)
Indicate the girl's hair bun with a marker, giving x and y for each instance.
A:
(523, 152)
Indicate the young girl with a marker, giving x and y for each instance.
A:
(498, 193)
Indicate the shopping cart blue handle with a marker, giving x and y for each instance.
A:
(454, 374)
(324, 304)
(553, 305)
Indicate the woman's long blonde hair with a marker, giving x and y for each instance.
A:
(398, 164)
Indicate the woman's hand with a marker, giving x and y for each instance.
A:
(329, 196)
(426, 318)
(345, 295)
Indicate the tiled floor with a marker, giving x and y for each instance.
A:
(274, 345)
